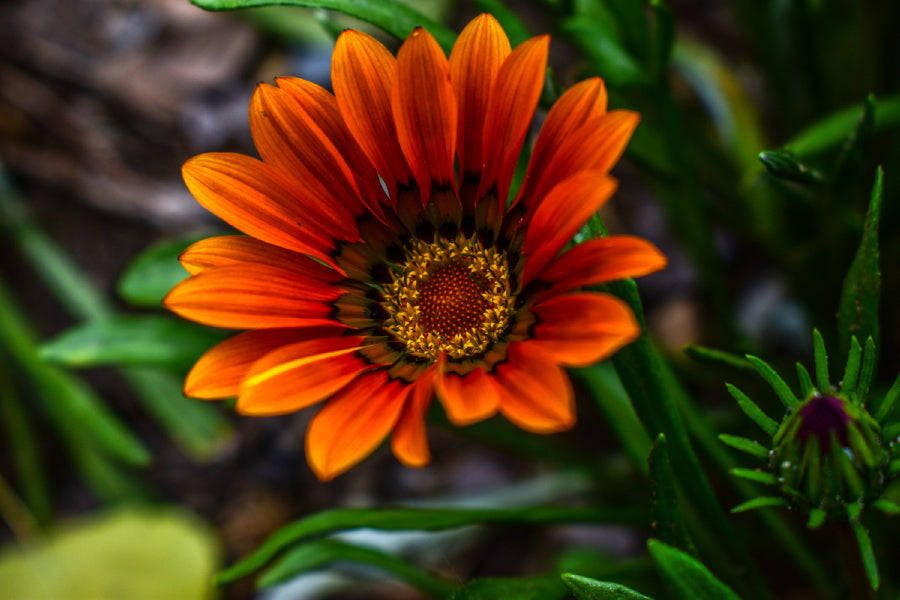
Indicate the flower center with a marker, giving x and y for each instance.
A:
(450, 296)
(821, 416)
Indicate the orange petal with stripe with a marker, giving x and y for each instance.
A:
(233, 249)
(294, 377)
(424, 107)
(602, 260)
(257, 200)
(535, 393)
(580, 329)
(466, 398)
(353, 423)
(595, 146)
(253, 296)
(362, 74)
(219, 372)
(476, 57)
(409, 441)
(322, 108)
(560, 215)
(514, 97)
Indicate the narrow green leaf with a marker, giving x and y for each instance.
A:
(894, 467)
(833, 130)
(685, 577)
(605, 51)
(542, 587)
(744, 445)
(715, 357)
(320, 553)
(662, 37)
(585, 588)
(816, 518)
(887, 507)
(807, 388)
(785, 165)
(155, 271)
(668, 519)
(753, 411)
(868, 369)
(823, 379)
(782, 390)
(884, 410)
(861, 294)
(851, 371)
(754, 475)
(148, 340)
(393, 17)
(411, 519)
(867, 555)
(761, 502)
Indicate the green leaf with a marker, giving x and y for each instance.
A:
(542, 587)
(410, 519)
(816, 518)
(833, 130)
(148, 340)
(851, 371)
(761, 502)
(753, 411)
(715, 357)
(785, 165)
(744, 445)
(393, 17)
(154, 272)
(782, 390)
(807, 388)
(867, 555)
(887, 507)
(133, 554)
(754, 475)
(861, 295)
(868, 369)
(663, 37)
(823, 379)
(890, 398)
(605, 51)
(585, 588)
(320, 553)
(668, 519)
(685, 577)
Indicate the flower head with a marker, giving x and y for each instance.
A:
(383, 264)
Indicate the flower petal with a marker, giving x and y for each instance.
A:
(466, 398)
(230, 249)
(256, 199)
(476, 57)
(580, 329)
(409, 441)
(219, 372)
(560, 215)
(253, 296)
(293, 377)
(514, 97)
(595, 146)
(362, 73)
(602, 260)
(288, 136)
(424, 108)
(535, 393)
(352, 424)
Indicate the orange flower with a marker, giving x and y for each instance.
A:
(375, 276)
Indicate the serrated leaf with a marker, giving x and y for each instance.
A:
(585, 588)
(668, 520)
(393, 17)
(861, 294)
(542, 587)
(153, 272)
(411, 519)
(744, 445)
(685, 577)
(320, 553)
(761, 502)
(147, 340)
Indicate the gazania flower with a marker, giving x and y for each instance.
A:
(384, 264)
